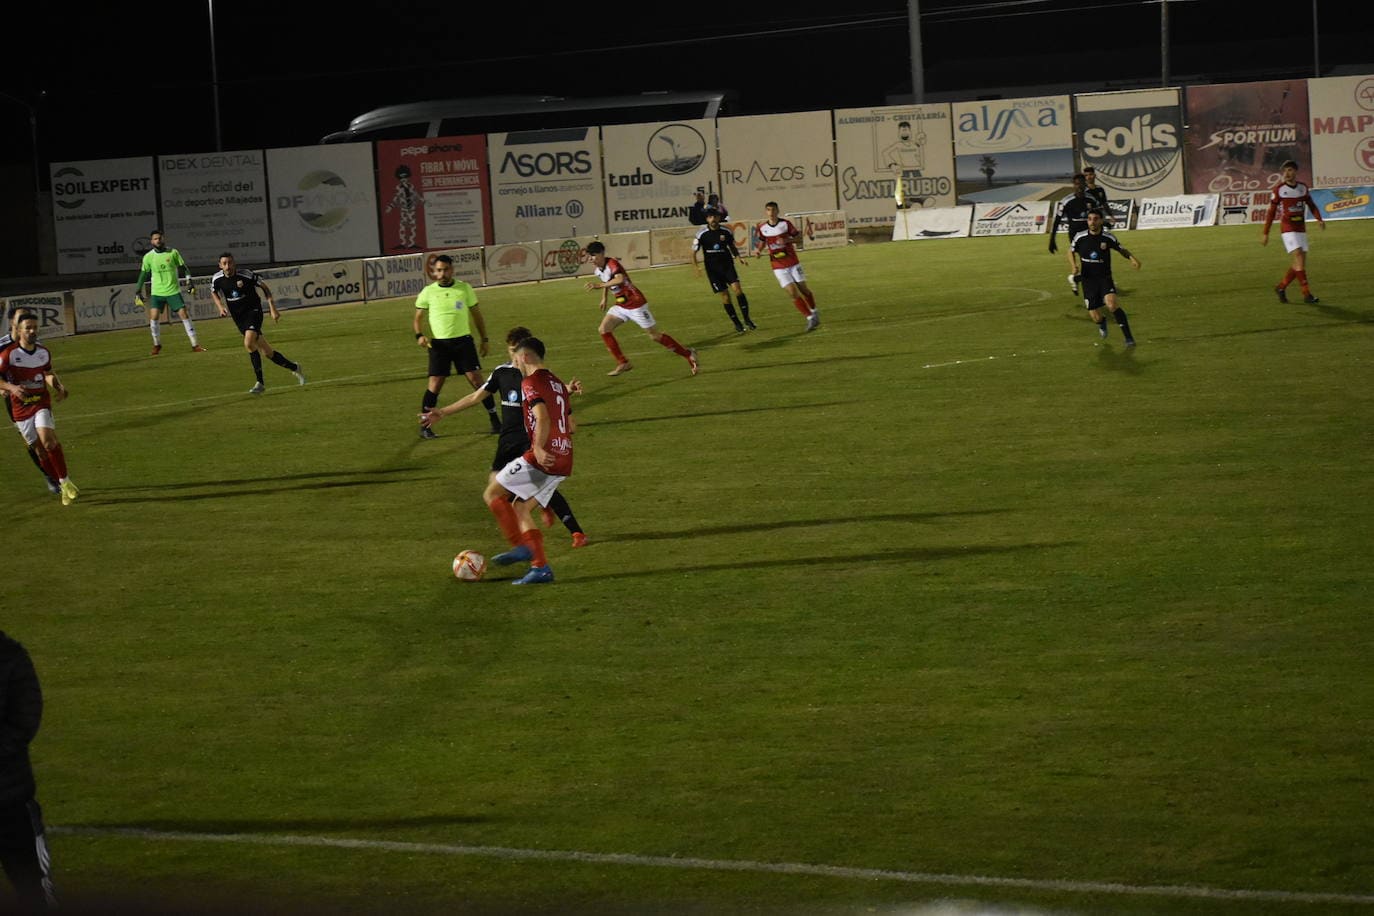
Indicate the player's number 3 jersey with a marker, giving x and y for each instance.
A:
(543, 387)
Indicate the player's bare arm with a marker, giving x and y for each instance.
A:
(56, 385)
(430, 417)
(219, 303)
(420, 337)
(482, 344)
(271, 301)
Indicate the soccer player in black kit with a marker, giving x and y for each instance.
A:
(717, 245)
(235, 291)
(505, 380)
(1072, 211)
(1092, 250)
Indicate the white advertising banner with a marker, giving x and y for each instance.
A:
(1013, 149)
(315, 284)
(877, 147)
(1023, 217)
(518, 262)
(1342, 112)
(824, 229)
(938, 223)
(106, 308)
(546, 184)
(788, 158)
(653, 172)
(102, 212)
(324, 202)
(674, 246)
(1176, 212)
(49, 308)
(395, 277)
(213, 203)
(1133, 140)
(1236, 207)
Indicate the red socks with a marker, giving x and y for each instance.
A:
(609, 340)
(802, 307)
(673, 345)
(55, 463)
(534, 540)
(810, 299)
(506, 518)
(1302, 281)
(1288, 278)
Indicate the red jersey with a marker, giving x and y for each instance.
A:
(543, 387)
(1290, 202)
(778, 240)
(625, 294)
(27, 369)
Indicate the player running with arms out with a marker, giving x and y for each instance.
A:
(629, 305)
(164, 266)
(778, 237)
(718, 250)
(505, 380)
(235, 291)
(26, 375)
(7, 341)
(1092, 251)
(535, 475)
(1289, 201)
(452, 309)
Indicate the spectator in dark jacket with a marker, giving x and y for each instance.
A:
(697, 215)
(23, 846)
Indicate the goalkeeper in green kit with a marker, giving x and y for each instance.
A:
(164, 266)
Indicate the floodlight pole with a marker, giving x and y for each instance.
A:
(1164, 42)
(33, 136)
(214, 77)
(1316, 44)
(918, 68)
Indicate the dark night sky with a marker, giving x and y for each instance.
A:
(136, 80)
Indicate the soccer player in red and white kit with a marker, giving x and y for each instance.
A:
(1290, 200)
(26, 375)
(534, 476)
(777, 237)
(630, 305)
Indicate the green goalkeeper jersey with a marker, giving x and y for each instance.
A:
(163, 266)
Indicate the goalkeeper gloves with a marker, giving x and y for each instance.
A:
(190, 288)
(138, 300)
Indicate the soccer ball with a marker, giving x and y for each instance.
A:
(469, 565)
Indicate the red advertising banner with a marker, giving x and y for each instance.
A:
(433, 193)
(1239, 135)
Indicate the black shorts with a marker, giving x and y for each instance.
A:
(508, 448)
(721, 276)
(459, 353)
(1095, 290)
(247, 319)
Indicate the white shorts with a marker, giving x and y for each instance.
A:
(528, 482)
(1292, 241)
(29, 428)
(640, 316)
(789, 275)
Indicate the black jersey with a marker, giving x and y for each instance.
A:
(716, 245)
(505, 382)
(238, 290)
(1073, 211)
(1095, 253)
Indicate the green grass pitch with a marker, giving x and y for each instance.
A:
(948, 587)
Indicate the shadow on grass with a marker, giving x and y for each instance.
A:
(871, 558)
(1114, 360)
(755, 527)
(1340, 314)
(255, 487)
(266, 825)
(717, 413)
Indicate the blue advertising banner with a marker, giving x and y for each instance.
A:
(1345, 203)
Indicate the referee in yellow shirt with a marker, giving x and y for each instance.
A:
(452, 308)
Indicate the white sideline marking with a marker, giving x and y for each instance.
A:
(785, 868)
